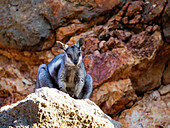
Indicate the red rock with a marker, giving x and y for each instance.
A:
(118, 18)
(118, 43)
(65, 32)
(134, 7)
(113, 96)
(125, 20)
(102, 68)
(110, 43)
(98, 29)
(153, 10)
(123, 35)
(91, 44)
(135, 19)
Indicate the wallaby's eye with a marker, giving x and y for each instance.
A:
(69, 55)
(79, 54)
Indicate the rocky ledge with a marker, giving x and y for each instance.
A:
(51, 108)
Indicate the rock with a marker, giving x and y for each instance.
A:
(150, 112)
(22, 26)
(30, 25)
(66, 32)
(125, 20)
(14, 81)
(144, 45)
(112, 97)
(135, 19)
(104, 67)
(166, 20)
(49, 107)
(164, 90)
(166, 75)
(134, 7)
(123, 35)
(147, 74)
(91, 44)
(153, 9)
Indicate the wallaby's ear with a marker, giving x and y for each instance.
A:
(80, 42)
(62, 46)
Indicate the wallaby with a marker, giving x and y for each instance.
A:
(66, 72)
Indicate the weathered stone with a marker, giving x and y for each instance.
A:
(144, 45)
(166, 74)
(125, 20)
(134, 7)
(153, 10)
(147, 74)
(14, 85)
(150, 112)
(51, 108)
(98, 29)
(135, 19)
(30, 25)
(22, 27)
(123, 35)
(91, 44)
(112, 97)
(110, 43)
(166, 21)
(118, 43)
(66, 32)
(164, 89)
(103, 67)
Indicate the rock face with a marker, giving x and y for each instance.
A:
(151, 112)
(126, 50)
(52, 108)
(30, 25)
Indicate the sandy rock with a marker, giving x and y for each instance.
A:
(52, 108)
(150, 112)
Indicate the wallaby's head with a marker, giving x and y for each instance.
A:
(73, 54)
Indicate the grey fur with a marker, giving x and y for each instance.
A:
(66, 72)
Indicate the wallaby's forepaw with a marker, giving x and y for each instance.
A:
(62, 89)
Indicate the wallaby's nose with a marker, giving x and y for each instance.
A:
(75, 62)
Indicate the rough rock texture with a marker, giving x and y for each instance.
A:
(151, 112)
(126, 50)
(52, 108)
(166, 76)
(30, 25)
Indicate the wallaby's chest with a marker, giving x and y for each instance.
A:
(71, 77)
